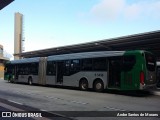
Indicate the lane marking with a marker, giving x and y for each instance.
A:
(15, 102)
(78, 102)
(54, 98)
(43, 110)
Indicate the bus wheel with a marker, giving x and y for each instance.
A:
(83, 84)
(98, 86)
(30, 81)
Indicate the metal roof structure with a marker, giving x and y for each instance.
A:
(149, 41)
(4, 58)
(4, 3)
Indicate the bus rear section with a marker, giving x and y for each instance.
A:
(139, 71)
(135, 70)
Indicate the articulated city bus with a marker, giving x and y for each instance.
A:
(120, 70)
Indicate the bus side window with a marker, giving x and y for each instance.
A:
(34, 68)
(51, 68)
(26, 69)
(129, 62)
(87, 64)
(100, 64)
(67, 67)
(75, 66)
(20, 69)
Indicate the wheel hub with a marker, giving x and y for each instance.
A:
(98, 86)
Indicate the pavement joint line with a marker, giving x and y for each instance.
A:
(15, 102)
(116, 109)
(79, 102)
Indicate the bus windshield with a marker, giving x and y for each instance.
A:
(150, 62)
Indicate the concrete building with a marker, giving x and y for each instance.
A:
(2, 62)
(18, 35)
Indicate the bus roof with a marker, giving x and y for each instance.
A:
(26, 60)
(81, 55)
(85, 55)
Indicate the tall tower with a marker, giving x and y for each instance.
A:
(18, 35)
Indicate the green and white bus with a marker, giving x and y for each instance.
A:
(120, 70)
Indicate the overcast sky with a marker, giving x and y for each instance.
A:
(53, 23)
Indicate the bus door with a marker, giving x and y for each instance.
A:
(114, 72)
(59, 72)
(12, 73)
(15, 72)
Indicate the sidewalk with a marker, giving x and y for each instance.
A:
(157, 91)
(16, 111)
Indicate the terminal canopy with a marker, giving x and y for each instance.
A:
(4, 3)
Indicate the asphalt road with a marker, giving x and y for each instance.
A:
(60, 100)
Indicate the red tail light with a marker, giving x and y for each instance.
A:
(142, 77)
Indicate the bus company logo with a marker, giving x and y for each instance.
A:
(6, 114)
(20, 114)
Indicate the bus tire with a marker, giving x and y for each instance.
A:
(83, 84)
(98, 85)
(30, 80)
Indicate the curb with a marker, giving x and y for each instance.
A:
(156, 93)
(25, 108)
